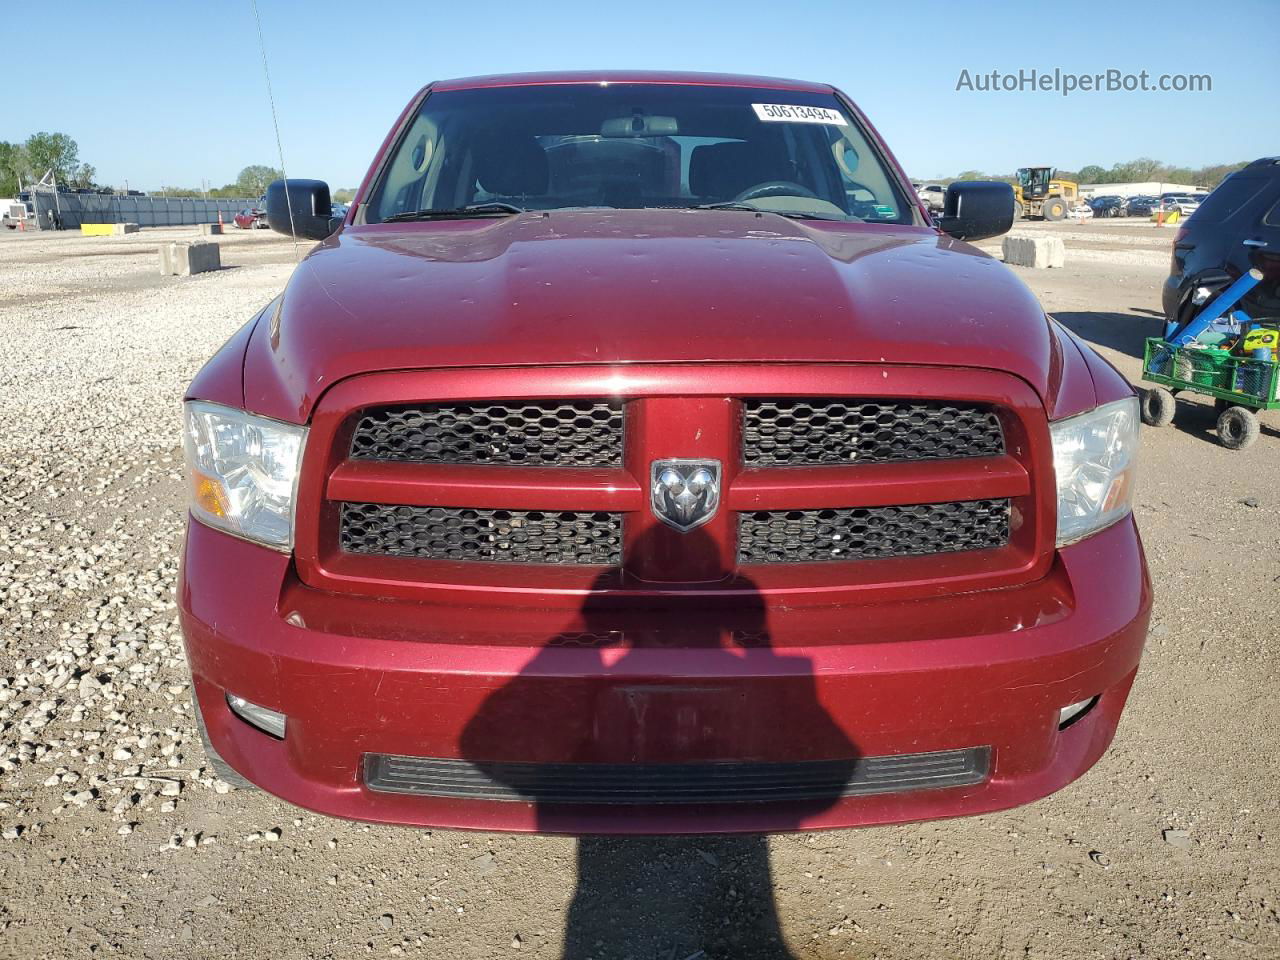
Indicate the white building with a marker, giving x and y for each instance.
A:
(1149, 188)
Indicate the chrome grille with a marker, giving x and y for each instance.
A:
(676, 783)
(541, 433)
(796, 433)
(863, 533)
(514, 536)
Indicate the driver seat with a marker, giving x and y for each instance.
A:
(721, 171)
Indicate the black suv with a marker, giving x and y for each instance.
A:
(1236, 228)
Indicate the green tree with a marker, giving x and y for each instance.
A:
(1092, 173)
(253, 180)
(83, 176)
(13, 165)
(1144, 168)
(971, 175)
(345, 195)
(52, 151)
(1214, 174)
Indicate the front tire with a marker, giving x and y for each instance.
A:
(1158, 407)
(1054, 209)
(1237, 428)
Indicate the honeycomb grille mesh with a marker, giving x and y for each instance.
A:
(543, 433)
(795, 433)
(513, 536)
(863, 533)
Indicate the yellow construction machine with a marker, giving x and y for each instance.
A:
(1038, 193)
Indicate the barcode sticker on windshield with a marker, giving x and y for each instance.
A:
(785, 113)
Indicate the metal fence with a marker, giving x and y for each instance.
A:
(73, 209)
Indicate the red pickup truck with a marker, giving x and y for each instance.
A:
(639, 455)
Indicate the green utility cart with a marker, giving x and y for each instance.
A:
(1240, 386)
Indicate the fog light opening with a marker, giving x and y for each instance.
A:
(1069, 715)
(268, 721)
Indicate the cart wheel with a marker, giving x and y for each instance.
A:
(1237, 428)
(1158, 406)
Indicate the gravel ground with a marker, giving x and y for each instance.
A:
(117, 840)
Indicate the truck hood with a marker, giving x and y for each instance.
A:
(623, 287)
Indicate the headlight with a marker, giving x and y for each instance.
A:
(1093, 457)
(243, 472)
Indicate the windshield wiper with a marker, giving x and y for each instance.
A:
(726, 205)
(491, 209)
(793, 214)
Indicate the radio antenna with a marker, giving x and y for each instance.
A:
(275, 122)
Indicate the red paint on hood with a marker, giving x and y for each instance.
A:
(637, 286)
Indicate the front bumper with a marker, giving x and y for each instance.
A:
(358, 677)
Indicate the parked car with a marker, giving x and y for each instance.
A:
(933, 195)
(1235, 229)
(1080, 211)
(1109, 206)
(1175, 207)
(251, 217)
(613, 489)
(1142, 206)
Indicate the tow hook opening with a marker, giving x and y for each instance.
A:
(1074, 712)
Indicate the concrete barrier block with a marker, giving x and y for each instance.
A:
(1031, 250)
(187, 257)
(97, 229)
(119, 229)
(211, 229)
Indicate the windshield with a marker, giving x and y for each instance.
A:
(637, 145)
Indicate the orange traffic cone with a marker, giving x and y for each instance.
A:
(219, 218)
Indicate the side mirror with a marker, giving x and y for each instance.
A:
(301, 208)
(977, 209)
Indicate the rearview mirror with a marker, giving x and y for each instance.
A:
(977, 209)
(640, 125)
(301, 208)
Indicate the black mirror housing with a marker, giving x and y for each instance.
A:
(301, 208)
(977, 209)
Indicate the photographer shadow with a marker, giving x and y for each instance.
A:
(739, 704)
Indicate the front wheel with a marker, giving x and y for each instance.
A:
(1054, 209)
(1157, 406)
(1237, 428)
